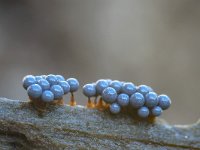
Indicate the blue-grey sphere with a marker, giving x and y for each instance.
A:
(89, 90)
(143, 112)
(151, 99)
(44, 76)
(156, 111)
(47, 96)
(45, 85)
(128, 88)
(60, 78)
(101, 85)
(57, 90)
(143, 89)
(117, 85)
(115, 108)
(109, 95)
(38, 78)
(164, 101)
(28, 80)
(65, 85)
(74, 84)
(123, 99)
(137, 100)
(109, 81)
(34, 91)
(52, 79)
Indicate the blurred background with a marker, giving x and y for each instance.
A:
(149, 42)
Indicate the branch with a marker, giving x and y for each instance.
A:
(67, 127)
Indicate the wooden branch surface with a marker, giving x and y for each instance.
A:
(66, 127)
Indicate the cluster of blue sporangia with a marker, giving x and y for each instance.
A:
(120, 94)
(49, 87)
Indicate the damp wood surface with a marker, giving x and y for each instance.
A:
(77, 127)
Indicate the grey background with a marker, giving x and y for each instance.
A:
(153, 42)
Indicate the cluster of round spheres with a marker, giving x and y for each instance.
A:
(120, 94)
(49, 87)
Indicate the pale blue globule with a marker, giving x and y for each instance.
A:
(109, 95)
(156, 111)
(117, 85)
(101, 85)
(47, 96)
(57, 90)
(123, 99)
(34, 91)
(51, 79)
(74, 84)
(65, 86)
(115, 108)
(45, 85)
(143, 112)
(143, 89)
(60, 78)
(128, 88)
(89, 90)
(28, 80)
(137, 100)
(164, 101)
(151, 99)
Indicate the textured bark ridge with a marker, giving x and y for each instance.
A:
(66, 127)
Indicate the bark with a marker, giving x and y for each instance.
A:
(66, 127)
